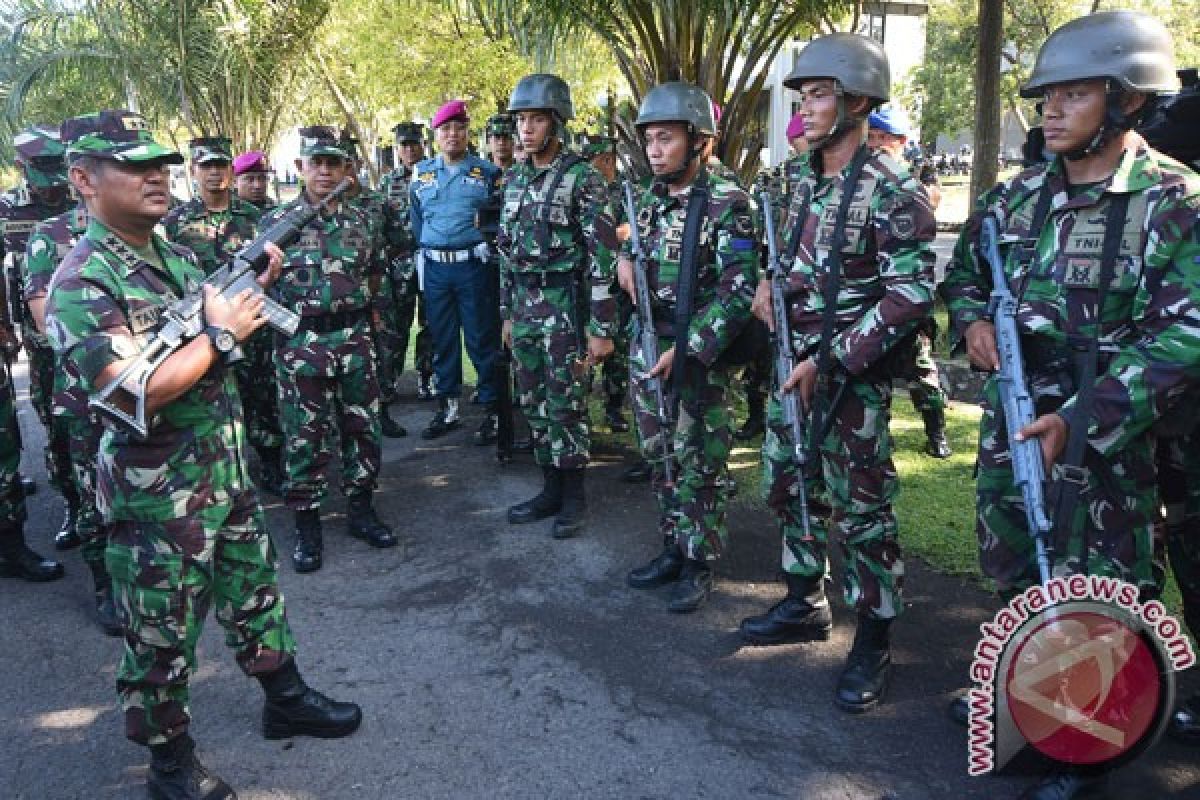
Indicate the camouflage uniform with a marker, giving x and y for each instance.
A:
(185, 524)
(886, 289)
(692, 509)
(615, 370)
(214, 236)
(1149, 345)
(541, 286)
(400, 293)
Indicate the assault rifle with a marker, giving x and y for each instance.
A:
(1029, 472)
(123, 400)
(785, 362)
(647, 335)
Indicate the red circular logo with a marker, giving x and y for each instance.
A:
(1083, 688)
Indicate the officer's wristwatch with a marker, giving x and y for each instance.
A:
(222, 339)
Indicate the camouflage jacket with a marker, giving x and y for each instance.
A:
(331, 268)
(579, 236)
(887, 281)
(397, 229)
(727, 272)
(214, 236)
(20, 212)
(50, 243)
(1150, 323)
(105, 304)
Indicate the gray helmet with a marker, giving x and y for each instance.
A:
(856, 62)
(542, 92)
(678, 102)
(1129, 47)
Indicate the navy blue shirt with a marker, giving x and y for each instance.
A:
(443, 201)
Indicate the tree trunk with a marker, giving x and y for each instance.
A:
(987, 93)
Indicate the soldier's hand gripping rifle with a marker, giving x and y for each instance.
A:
(647, 335)
(123, 400)
(785, 361)
(1029, 472)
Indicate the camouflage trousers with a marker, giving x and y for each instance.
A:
(391, 341)
(614, 372)
(259, 391)
(551, 391)
(1109, 531)
(41, 395)
(83, 437)
(925, 388)
(327, 387)
(692, 509)
(12, 498)
(853, 466)
(166, 575)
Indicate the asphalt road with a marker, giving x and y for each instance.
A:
(494, 662)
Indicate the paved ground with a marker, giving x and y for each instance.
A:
(495, 662)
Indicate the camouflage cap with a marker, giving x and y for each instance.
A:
(321, 140)
(409, 132)
(117, 134)
(500, 125)
(40, 151)
(594, 144)
(208, 149)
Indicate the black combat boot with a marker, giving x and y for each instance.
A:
(571, 517)
(445, 420)
(106, 608)
(756, 418)
(294, 709)
(1185, 722)
(803, 615)
(664, 568)
(487, 429)
(176, 774)
(18, 561)
(270, 470)
(363, 523)
(614, 416)
(865, 677)
(424, 385)
(545, 503)
(391, 429)
(692, 589)
(306, 557)
(1066, 785)
(68, 537)
(638, 472)
(935, 432)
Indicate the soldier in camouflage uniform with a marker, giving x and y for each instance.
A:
(326, 370)
(401, 286)
(855, 244)
(499, 132)
(250, 179)
(556, 246)
(675, 121)
(215, 225)
(186, 529)
(44, 194)
(1097, 76)
(887, 128)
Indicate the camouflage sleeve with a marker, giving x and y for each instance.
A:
(504, 243)
(1154, 365)
(600, 240)
(735, 251)
(904, 228)
(86, 326)
(968, 283)
(40, 254)
(414, 213)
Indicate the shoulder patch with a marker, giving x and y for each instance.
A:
(903, 224)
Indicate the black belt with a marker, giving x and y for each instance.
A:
(545, 280)
(337, 321)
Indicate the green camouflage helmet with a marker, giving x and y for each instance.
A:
(116, 134)
(409, 132)
(595, 144)
(1129, 47)
(41, 153)
(857, 63)
(209, 149)
(321, 140)
(500, 125)
(677, 101)
(542, 92)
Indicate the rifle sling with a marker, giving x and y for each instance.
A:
(1069, 476)
(822, 409)
(685, 284)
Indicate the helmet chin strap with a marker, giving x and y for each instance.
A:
(1115, 122)
(842, 125)
(557, 133)
(694, 151)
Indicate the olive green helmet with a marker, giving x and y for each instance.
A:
(678, 102)
(857, 63)
(542, 92)
(1128, 47)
